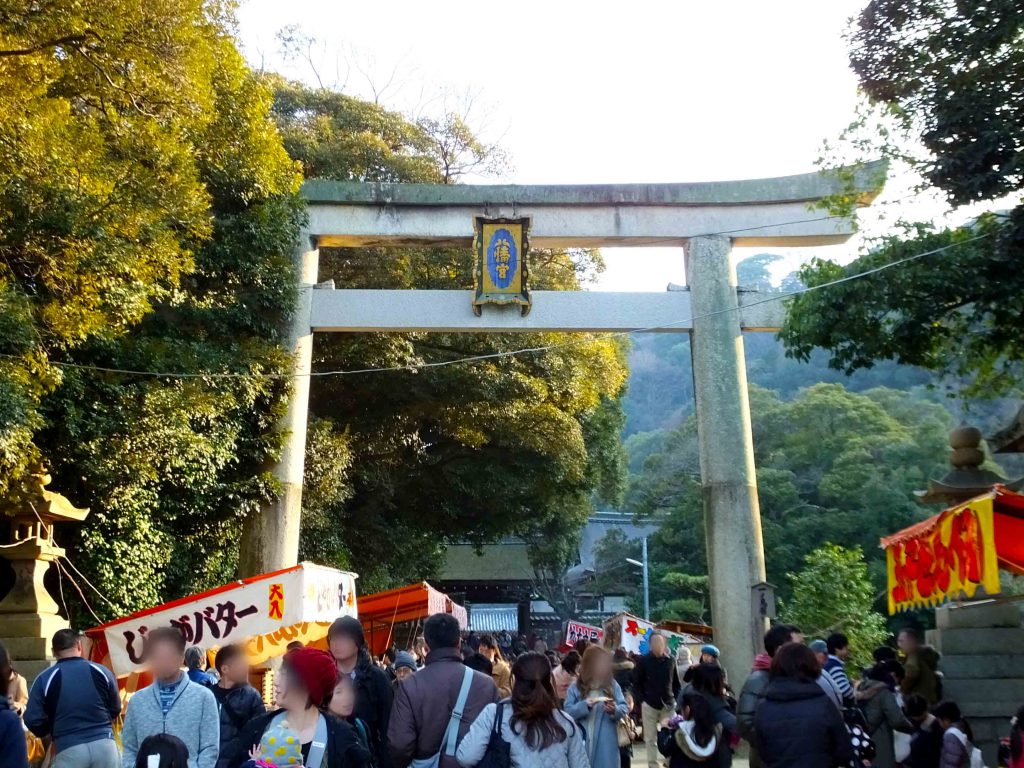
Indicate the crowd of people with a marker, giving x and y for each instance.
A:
(451, 701)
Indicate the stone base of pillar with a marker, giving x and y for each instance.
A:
(982, 647)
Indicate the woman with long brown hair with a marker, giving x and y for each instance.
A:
(596, 702)
(539, 734)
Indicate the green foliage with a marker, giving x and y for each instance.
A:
(917, 313)
(832, 592)
(832, 465)
(148, 214)
(511, 446)
(948, 80)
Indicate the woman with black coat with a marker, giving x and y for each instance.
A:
(294, 732)
(795, 725)
(708, 682)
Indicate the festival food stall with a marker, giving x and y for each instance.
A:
(951, 555)
(265, 613)
(624, 630)
(395, 616)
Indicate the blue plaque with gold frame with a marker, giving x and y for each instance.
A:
(501, 247)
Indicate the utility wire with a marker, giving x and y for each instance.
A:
(515, 352)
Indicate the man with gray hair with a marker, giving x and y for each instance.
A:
(655, 684)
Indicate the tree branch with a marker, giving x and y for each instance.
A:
(76, 39)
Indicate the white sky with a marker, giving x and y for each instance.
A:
(599, 92)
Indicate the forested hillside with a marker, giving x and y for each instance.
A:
(838, 456)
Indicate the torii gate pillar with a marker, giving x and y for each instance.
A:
(270, 538)
(732, 518)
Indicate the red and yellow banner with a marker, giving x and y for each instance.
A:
(946, 557)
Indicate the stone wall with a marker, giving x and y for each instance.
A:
(982, 647)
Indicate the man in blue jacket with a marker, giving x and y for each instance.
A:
(75, 701)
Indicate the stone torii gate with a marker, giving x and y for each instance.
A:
(705, 219)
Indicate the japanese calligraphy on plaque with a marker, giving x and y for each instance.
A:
(500, 247)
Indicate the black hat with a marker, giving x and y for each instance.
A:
(348, 626)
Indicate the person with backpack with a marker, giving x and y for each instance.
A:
(876, 698)
(75, 701)
(537, 733)
(693, 738)
(374, 692)
(958, 749)
(301, 732)
(423, 729)
(237, 702)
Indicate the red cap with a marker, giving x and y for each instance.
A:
(316, 670)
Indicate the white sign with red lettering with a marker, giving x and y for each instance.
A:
(263, 612)
(575, 631)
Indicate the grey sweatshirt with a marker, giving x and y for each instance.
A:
(192, 717)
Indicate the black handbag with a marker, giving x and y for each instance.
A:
(499, 752)
(864, 749)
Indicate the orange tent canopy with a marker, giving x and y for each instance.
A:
(382, 611)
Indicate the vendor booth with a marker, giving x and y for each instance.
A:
(624, 630)
(265, 613)
(950, 555)
(394, 617)
(951, 562)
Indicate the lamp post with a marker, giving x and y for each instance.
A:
(643, 566)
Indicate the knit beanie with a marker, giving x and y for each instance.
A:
(347, 626)
(711, 650)
(315, 669)
(405, 659)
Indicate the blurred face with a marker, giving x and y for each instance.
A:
(907, 642)
(288, 691)
(707, 658)
(658, 647)
(343, 702)
(343, 648)
(402, 673)
(165, 660)
(603, 666)
(843, 653)
(821, 657)
(236, 671)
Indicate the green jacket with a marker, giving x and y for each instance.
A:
(921, 674)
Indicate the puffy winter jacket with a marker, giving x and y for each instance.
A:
(883, 716)
(238, 706)
(797, 727)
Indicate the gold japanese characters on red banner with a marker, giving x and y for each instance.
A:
(944, 558)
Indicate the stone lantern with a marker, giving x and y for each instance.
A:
(966, 479)
(28, 614)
